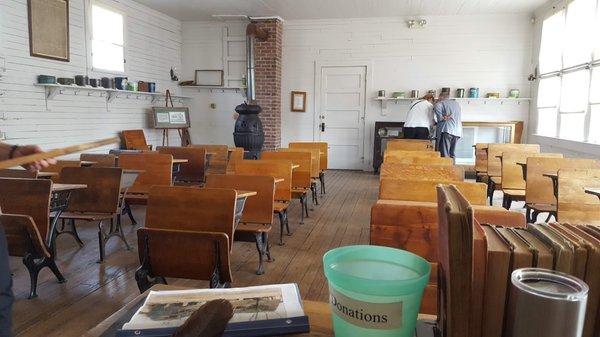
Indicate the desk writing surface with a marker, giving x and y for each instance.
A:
(47, 174)
(130, 171)
(88, 163)
(319, 316)
(245, 194)
(67, 187)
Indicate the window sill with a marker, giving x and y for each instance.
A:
(571, 145)
(106, 73)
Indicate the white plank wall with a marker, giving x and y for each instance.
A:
(491, 52)
(214, 45)
(153, 46)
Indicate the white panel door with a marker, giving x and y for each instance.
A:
(342, 111)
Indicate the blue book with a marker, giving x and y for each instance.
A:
(258, 311)
(272, 327)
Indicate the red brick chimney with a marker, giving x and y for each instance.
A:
(267, 74)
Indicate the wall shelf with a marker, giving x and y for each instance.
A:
(52, 90)
(212, 88)
(384, 101)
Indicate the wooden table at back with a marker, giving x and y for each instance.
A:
(319, 316)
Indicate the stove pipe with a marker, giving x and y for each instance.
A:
(248, 131)
(250, 92)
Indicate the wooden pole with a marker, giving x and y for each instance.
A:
(56, 152)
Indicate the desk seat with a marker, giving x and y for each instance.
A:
(533, 210)
(511, 195)
(86, 216)
(301, 193)
(258, 233)
(494, 184)
(280, 208)
(137, 198)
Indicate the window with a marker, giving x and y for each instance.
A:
(107, 39)
(595, 124)
(551, 46)
(568, 101)
(594, 136)
(580, 19)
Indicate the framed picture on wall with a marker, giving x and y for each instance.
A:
(49, 29)
(298, 101)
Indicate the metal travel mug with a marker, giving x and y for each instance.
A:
(545, 303)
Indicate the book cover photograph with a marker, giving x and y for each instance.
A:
(169, 309)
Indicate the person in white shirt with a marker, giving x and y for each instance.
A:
(419, 118)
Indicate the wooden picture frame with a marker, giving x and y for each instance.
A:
(171, 117)
(48, 22)
(298, 101)
(209, 78)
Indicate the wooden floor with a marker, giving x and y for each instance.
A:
(94, 291)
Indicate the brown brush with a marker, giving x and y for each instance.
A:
(209, 320)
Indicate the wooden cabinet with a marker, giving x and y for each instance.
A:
(384, 131)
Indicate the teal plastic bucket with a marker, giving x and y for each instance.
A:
(375, 291)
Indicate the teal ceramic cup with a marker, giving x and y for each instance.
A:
(375, 291)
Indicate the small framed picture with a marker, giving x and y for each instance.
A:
(299, 101)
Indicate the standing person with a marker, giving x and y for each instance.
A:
(449, 125)
(419, 118)
(6, 295)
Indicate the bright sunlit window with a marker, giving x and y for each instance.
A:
(568, 101)
(107, 39)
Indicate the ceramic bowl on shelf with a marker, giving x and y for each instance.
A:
(82, 80)
(46, 79)
(474, 93)
(121, 83)
(66, 80)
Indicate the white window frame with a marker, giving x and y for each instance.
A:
(112, 6)
(594, 63)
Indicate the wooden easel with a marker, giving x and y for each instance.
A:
(184, 133)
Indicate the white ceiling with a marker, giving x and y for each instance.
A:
(197, 10)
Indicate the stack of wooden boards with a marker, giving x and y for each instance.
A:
(476, 261)
(405, 216)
